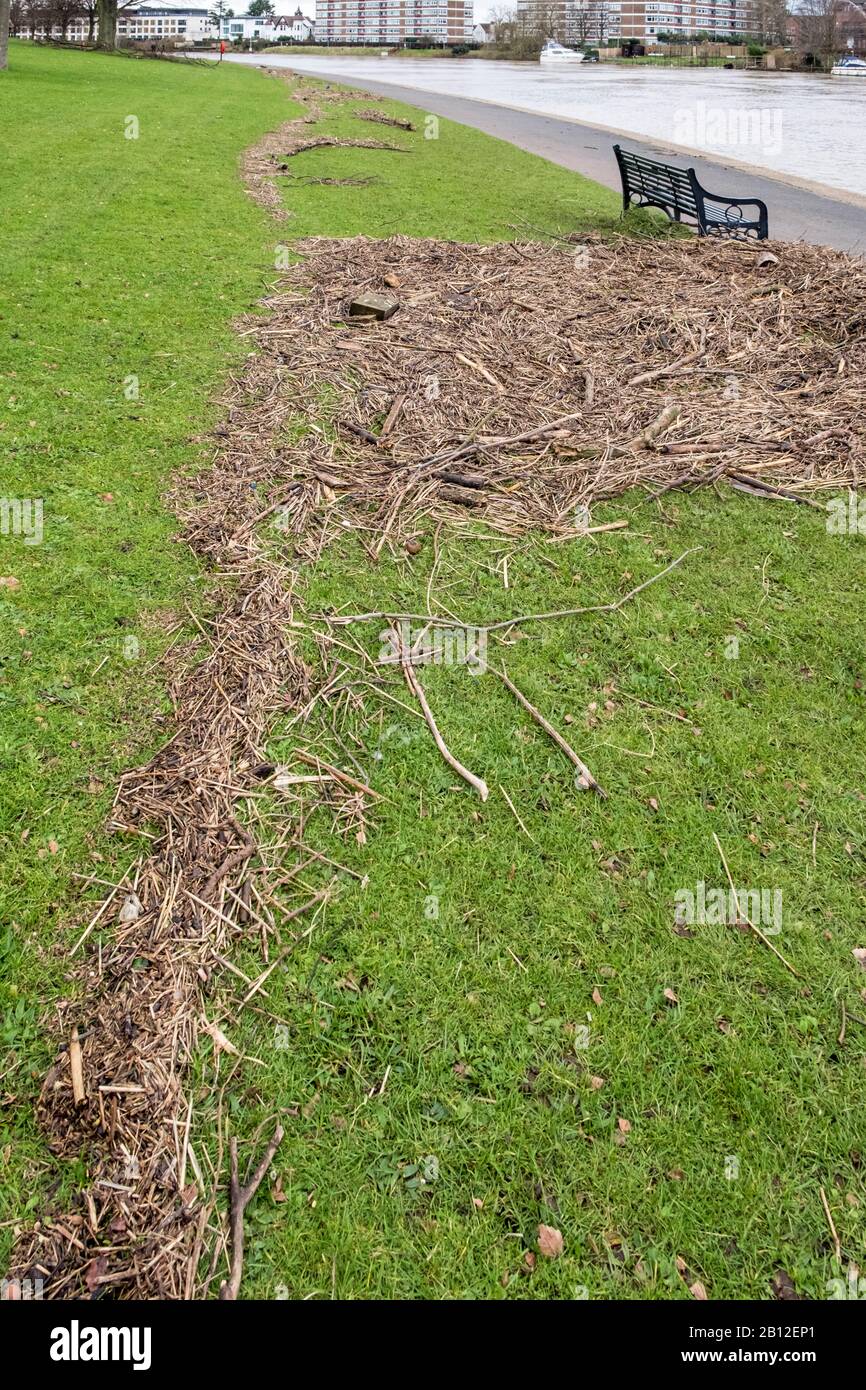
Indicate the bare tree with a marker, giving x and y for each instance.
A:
(35, 16)
(819, 27)
(106, 17)
(4, 34)
(770, 19)
(60, 13)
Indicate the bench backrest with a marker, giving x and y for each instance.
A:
(658, 183)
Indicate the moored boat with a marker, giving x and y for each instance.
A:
(849, 66)
(554, 52)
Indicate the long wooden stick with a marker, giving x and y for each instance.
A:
(341, 620)
(312, 761)
(417, 690)
(240, 1198)
(586, 781)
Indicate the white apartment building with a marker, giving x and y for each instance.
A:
(644, 19)
(389, 22)
(593, 21)
(176, 26)
(573, 21)
(268, 27)
(158, 25)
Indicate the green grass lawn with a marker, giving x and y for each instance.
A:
(435, 1019)
(454, 183)
(123, 263)
(461, 978)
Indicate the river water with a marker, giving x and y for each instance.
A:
(812, 128)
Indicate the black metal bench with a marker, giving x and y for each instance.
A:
(649, 183)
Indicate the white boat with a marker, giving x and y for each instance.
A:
(849, 66)
(553, 52)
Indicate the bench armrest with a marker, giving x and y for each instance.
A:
(726, 200)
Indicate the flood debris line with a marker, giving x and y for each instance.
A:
(266, 161)
(379, 116)
(332, 142)
(534, 382)
(116, 1094)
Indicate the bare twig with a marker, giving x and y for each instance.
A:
(585, 780)
(834, 1233)
(758, 933)
(342, 620)
(417, 690)
(240, 1198)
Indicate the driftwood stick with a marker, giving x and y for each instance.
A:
(669, 369)
(417, 690)
(342, 620)
(586, 781)
(76, 1068)
(469, 446)
(240, 1198)
(312, 761)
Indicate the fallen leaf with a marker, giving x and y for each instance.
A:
(671, 997)
(131, 909)
(859, 954)
(624, 1126)
(698, 1291)
(8, 581)
(549, 1242)
(783, 1289)
(596, 996)
(596, 1082)
(94, 1272)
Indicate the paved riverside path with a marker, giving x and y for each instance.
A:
(795, 213)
